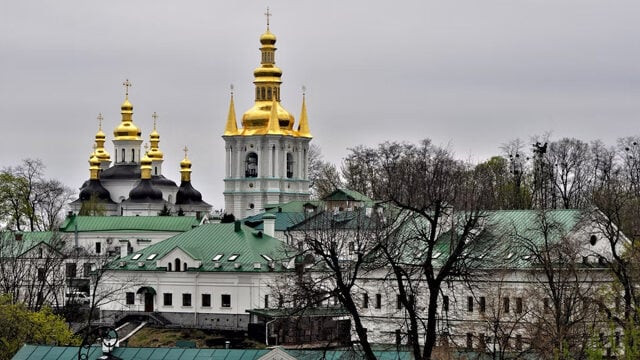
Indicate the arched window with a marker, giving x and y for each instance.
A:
(133, 155)
(169, 267)
(155, 170)
(262, 94)
(184, 266)
(289, 165)
(269, 94)
(251, 169)
(123, 153)
(257, 94)
(177, 264)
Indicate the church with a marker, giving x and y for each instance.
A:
(266, 159)
(134, 185)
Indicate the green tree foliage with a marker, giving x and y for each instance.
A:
(19, 326)
(165, 211)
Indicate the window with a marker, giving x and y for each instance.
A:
(519, 342)
(136, 256)
(206, 300)
(168, 266)
(152, 256)
(518, 305)
(289, 165)
(469, 341)
(168, 299)
(233, 257)
(352, 247)
(445, 303)
(546, 305)
(98, 247)
(184, 267)
(87, 268)
(505, 341)
(398, 337)
(269, 93)
(470, 303)
(123, 160)
(378, 301)
(70, 270)
(186, 299)
(225, 300)
(505, 305)
(398, 302)
(177, 263)
(130, 298)
(365, 301)
(483, 304)
(133, 155)
(266, 301)
(41, 274)
(218, 257)
(251, 166)
(482, 342)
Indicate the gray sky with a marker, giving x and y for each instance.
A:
(472, 74)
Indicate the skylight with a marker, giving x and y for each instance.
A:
(218, 257)
(437, 255)
(509, 256)
(266, 257)
(152, 256)
(136, 256)
(233, 257)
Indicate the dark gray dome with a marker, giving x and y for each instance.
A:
(145, 192)
(187, 194)
(95, 188)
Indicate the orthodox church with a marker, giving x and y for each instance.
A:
(134, 184)
(267, 158)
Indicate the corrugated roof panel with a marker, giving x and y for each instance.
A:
(130, 223)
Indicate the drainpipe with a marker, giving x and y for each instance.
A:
(266, 332)
(195, 302)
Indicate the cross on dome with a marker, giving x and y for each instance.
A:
(186, 151)
(127, 84)
(100, 118)
(268, 15)
(155, 119)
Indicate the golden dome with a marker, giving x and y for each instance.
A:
(145, 167)
(94, 166)
(185, 167)
(267, 38)
(127, 130)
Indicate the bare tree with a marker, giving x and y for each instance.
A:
(324, 176)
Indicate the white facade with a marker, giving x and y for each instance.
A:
(278, 174)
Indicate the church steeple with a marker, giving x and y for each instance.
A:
(232, 126)
(100, 152)
(303, 126)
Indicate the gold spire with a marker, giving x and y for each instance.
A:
(145, 167)
(273, 128)
(267, 93)
(303, 126)
(232, 125)
(99, 150)
(94, 165)
(126, 130)
(185, 167)
(154, 139)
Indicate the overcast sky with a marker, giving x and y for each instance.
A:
(472, 74)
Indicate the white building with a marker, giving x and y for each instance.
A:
(267, 158)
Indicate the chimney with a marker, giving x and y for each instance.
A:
(124, 248)
(237, 225)
(269, 224)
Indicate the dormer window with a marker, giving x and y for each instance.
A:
(152, 256)
(136, 256)
(218, 257)
(233, 257)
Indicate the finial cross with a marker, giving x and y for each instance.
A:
(100, 118)
(155, 119)
(127, 84)
(304, 90)
(268, 14)
(231, 88)
(186, 150)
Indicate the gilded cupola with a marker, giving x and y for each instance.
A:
(100, 152)
(154, 139)
(267, 80)
(185, 167)
(127, 130)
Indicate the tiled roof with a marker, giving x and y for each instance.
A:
(206, 241)
(129, 223)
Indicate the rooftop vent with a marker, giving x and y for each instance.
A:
(140, 263)
(123, 264)
(216, 265)
(237, 265)
(257, 266)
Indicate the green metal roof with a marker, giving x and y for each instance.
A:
(129, 223)
(308, 312)
(46, 352)
(347, 195)
(206, 241)
(15, 247)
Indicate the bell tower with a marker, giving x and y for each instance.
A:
(266, 159)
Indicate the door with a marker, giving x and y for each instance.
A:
(148, 302)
